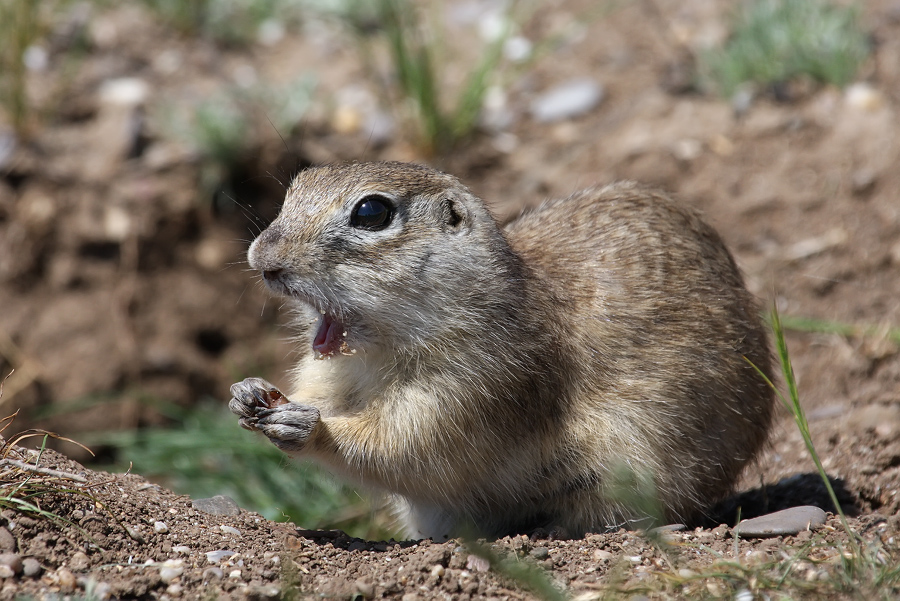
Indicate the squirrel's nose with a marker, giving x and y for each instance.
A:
(262, 254)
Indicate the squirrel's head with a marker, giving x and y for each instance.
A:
(386, 253)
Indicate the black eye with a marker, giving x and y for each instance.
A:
(372, 213)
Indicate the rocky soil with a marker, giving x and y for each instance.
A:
(115, 536)
(121, 281)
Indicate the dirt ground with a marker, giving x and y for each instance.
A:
(117, 285)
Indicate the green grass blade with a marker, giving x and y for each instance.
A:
(792, 403)
(822, 326)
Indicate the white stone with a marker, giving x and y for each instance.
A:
(217, 556)
(125, 91)
(864, 97)
(270, 32)
(36, 58)
(571, 99)
(517, 49)
(170, 570)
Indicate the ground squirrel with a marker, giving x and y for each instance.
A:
(497, 379)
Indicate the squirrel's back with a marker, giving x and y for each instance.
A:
(658, 329)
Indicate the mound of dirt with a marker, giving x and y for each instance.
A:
(118, 536)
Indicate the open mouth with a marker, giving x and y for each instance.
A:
(331, 338)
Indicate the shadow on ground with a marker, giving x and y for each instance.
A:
(799, 489)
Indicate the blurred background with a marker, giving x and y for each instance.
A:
(144, 143)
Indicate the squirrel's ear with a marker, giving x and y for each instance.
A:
(454, 214)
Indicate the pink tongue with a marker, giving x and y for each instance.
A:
(329, 336)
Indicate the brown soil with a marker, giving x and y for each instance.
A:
(122, 537)
(119, 285)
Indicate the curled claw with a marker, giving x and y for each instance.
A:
(249, 423)
(263, 408)
(252, 395)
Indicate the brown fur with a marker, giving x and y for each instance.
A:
(501, 377)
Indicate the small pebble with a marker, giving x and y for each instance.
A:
(264, 592)
(602, 554)
(517, 49)
(66, 580)
(742, 100)
(217, 556)
(13, 562)
(174, 590)
(135, 534)
(567, 100)
(744, 595)
(687, 149)
(785, 522)
(160, 527)
(235, 574)
(99, 591)
(35, 58)
(183, 549)
(170, 570)
(7, 541)
(229, 530)
(213, 574)
(125, 91)
(438, 571)
(477, 564)
(863, 96)
(540, 553)
(218, 505)
(31, 567)
(863, 180)
(79, 562)
(7, 146)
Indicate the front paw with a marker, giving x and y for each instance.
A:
(261, 406)
(251, 396)
(288, 426)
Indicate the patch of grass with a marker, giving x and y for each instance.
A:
(414, 38)
(228, 127)
(209, 454)
(20, 28)
(25, 484)
(235, 22)
(775, 41)
(418, 74)
(28, 29)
